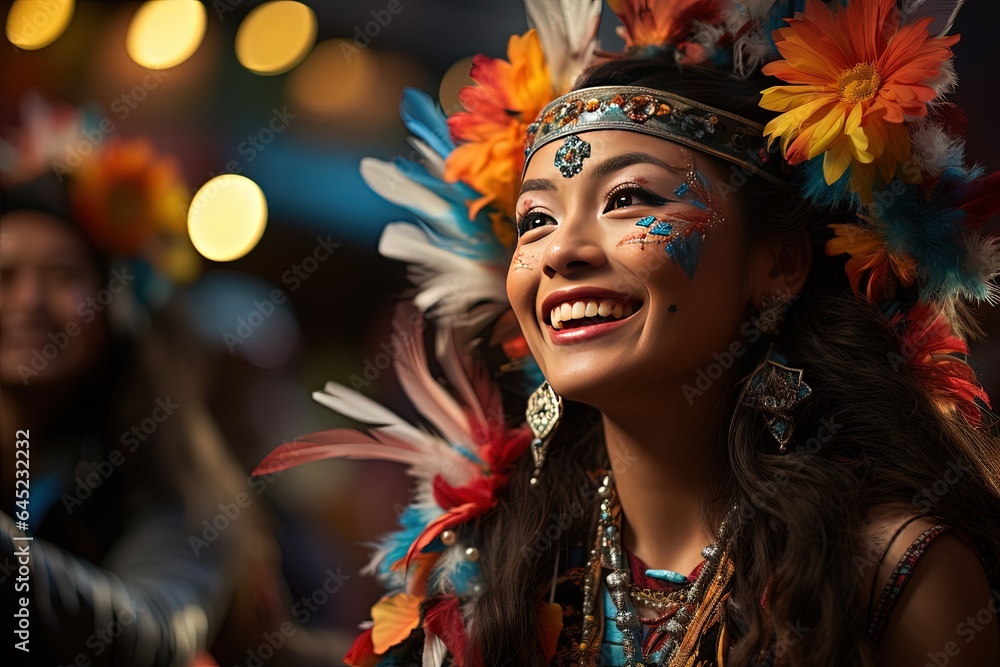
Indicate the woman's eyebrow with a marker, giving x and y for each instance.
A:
(619, 162)
(535, 184)
(604, 169)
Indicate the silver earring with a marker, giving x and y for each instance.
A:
(775, 388)
(772, 313)
(543, 414)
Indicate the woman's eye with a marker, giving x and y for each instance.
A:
(532, 220)
(632, 196)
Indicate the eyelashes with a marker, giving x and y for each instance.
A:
(625, 195)
(632, 194)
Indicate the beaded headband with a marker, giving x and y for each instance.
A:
(660, 114)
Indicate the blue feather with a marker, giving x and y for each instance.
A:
(931, 231)
(454, 232)
(413, 520)
(424, 119)
(814, 187)
(464, 576)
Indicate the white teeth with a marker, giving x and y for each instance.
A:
(580, 309)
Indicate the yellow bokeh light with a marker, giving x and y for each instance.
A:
(335, 80)
(227, 217)
(33, 24)
(164, 33)
(275, 36)
(457, 77)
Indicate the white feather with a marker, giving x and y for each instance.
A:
(446, 567)
(427, 455)
(944, 13)
(433, 162)
(705, 35)
(393, 185)
(933, 150)
(944, 82)
(449, 355)
(431, 399)
(351, 404)
(982, 258)
(753, 46)
(434, 650)
(567, 30)
(448, 283)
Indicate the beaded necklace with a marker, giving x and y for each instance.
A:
(684, 614)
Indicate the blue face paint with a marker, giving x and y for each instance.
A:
(684, 235)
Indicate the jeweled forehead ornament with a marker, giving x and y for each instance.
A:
(657, 113)
(570, 157)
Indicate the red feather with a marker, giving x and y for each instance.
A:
(453, 517)
(951, 118)
(982, 200)
(362, 653)
(444, 619)
(342, 442)
(929, 346)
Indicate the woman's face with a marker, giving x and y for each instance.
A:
(688, 288)
(51, 325)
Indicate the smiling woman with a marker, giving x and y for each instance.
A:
(717, 473)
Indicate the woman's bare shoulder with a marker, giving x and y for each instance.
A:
(946, 613)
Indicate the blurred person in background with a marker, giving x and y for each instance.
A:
(146, 547)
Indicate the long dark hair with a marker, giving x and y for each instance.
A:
(868, 437)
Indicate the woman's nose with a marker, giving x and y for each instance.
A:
(575, 245)
(24, 290)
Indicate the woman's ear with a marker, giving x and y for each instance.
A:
(780, 269)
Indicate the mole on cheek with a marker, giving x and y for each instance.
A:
(673, 308)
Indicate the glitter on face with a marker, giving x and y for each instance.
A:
(681, 236)
(520, 263)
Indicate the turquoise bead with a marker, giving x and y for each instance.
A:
(667, 575)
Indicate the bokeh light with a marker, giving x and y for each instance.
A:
(275, 36)
(456, 78)
(164, 33)
(334, 81)
(227, 217)
(33, 24)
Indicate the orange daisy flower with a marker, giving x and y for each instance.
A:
(856, 73)
(509, 97)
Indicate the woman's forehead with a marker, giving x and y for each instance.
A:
(596, 155)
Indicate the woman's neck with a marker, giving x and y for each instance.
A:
(662, 463)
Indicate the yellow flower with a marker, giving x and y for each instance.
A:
(508, 97)
(856, 75)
